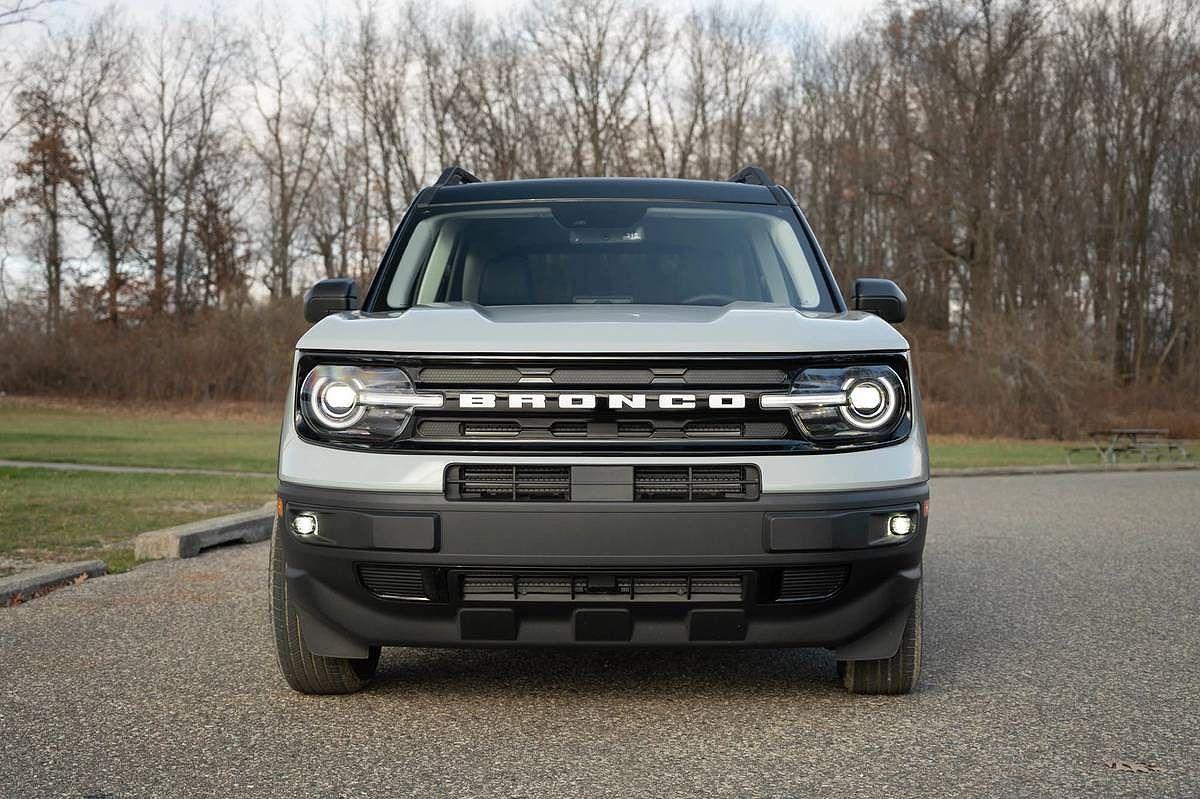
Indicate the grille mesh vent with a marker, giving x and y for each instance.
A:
(393, 582)
(552, 483)
(503, 483)
(499, 376)
(678, 587)
(807, 583)
(549, 429)
(695, 483)
(634, 376)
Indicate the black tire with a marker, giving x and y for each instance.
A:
(895, 675)
(304, 671)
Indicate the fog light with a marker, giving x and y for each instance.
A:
(304, 524)
(901, 524)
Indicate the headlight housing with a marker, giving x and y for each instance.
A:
(844, 404)
(367, 404)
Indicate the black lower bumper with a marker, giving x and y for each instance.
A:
(785, 570)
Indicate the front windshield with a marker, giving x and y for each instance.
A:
(608, 253)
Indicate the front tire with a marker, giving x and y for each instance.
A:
(895, 675)
(304, 671)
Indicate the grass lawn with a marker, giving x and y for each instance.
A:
(109, 435)
(960, 452)
(56, 515)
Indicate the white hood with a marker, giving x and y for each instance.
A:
(740, 327)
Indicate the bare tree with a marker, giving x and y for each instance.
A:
(289, 91)
(17, 12)
(379, 67)
(592, 52)
(220, 240)
(47, 169)
(108, 206)
(13, 14)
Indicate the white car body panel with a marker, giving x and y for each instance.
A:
(741, 327)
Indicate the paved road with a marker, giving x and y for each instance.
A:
(1062, 623)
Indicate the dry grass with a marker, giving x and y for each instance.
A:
(184, 410)
(211, 435)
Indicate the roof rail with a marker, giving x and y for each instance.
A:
(451, 176)
(757, 176)
(455, 176)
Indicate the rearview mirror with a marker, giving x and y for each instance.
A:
(880, 297)
(330, 296)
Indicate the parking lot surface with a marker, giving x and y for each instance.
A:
(1062, 658)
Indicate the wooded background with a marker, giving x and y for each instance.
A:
(1027, 170)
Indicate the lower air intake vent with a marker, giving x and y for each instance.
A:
(807, 583)
(602, 588)
(695, 483)
(503, 483)
(393, 582)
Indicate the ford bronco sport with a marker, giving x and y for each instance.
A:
(601, 412)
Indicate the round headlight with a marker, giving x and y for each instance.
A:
(866, 398)
(359, 404)
(870, 404)
(333, 402)
(338, 398)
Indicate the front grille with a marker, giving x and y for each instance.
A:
(393, 582)
(493, 404)
(663, 428)
(504, 483)
(807, 583)
(695, 483)
(550, 426)
(504, 587)
(552, 483)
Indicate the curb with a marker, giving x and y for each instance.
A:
(36, 582)
(1002, 471)
(186, 540)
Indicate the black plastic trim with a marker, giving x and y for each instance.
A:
(307, 497)
(650, 538)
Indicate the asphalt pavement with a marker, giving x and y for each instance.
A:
(1062, 658)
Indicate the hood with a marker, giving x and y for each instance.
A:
(741, 327)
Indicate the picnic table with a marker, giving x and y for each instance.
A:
(1147, 442)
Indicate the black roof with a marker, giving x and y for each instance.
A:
(601, 189)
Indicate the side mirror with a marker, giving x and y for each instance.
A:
(880, 297)
(330, 296)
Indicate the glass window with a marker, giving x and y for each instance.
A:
(608, 252)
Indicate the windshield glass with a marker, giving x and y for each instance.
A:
(608, 253)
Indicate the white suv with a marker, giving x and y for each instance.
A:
(601, 412)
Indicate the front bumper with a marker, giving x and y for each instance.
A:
(760, 545)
